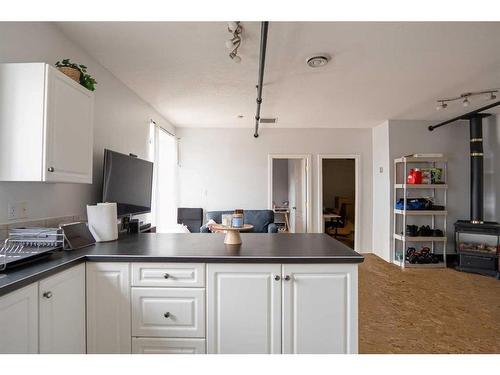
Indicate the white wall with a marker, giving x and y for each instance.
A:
(381, 192)
(121, 119)
(227, 168)
(491, 145)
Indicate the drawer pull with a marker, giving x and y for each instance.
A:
(277, 278)
(166, 276)
(287, 278)
(166, 315)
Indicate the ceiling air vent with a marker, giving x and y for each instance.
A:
(268, 120)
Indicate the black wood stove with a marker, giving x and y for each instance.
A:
(477, 242)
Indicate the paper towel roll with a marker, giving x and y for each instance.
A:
(103, 221)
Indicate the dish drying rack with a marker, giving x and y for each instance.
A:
(25, 244)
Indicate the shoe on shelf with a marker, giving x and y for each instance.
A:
(411, 230)
(424, 231)
(437, 233)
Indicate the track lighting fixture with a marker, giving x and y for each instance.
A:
(234, 42)
(442, 103)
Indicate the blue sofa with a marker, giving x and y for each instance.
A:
(262, 220)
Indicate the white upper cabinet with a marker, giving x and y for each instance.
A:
(46, 125)
(62, 312)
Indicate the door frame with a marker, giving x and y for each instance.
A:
(308, 162)
(357, 184)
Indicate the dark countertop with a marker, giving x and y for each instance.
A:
(193, 247)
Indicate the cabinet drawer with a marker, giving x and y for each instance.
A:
(168, 274)
(147, 345)
(168, 312)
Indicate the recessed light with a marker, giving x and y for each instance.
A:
(240, 116)
(317, 61)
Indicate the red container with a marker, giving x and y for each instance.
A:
(414, 176)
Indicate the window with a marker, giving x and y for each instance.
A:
(165, 181)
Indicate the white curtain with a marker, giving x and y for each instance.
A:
(165, 181)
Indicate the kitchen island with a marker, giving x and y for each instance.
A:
(186, 293)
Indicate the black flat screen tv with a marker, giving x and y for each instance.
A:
(128, 181)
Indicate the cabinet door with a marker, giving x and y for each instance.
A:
(142, 345)
(62, 312)
(108, 308)
(19, 321)
(68, 130)
(243, 308)
(320, 308)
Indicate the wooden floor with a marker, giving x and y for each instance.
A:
(426, 311)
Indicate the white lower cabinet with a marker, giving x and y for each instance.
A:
(62, 312)
(243, 308)
(274, 308)
(108, 308)
(320, 308)
(146, 345)
(19, 321)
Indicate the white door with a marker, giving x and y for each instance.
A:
(108, 308)
(69, 129)
(62, 312)
(156, 345)
(19, 321)
(320, 308)
(297, 195)
(243, 308)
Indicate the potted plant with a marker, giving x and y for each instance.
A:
(77, 72)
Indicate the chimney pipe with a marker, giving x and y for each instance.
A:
(476, 169)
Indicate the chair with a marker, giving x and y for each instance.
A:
(262, 220)
(190, 217)
(340, 222)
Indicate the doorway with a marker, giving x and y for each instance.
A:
(289, 192)
(338, 198)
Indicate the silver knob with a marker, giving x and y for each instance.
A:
(277, 278)
(50, 169)
(166, 315)
(47, 294)
(287, 278)
(166, 276)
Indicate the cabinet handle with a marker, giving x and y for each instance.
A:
(51, 169)
(166, 315)
(47, 294)
(277, 278)
(166, 276)
(287, 278)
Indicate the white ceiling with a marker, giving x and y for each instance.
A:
(379, 71)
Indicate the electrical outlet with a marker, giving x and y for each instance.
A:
(17, 210)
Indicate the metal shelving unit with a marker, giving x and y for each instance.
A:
(401, 169)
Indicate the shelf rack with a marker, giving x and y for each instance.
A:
(401, 169)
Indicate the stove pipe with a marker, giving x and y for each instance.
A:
(476, 169)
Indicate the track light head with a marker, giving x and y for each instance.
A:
(466, 102)
(443, 105)
(492, 96)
